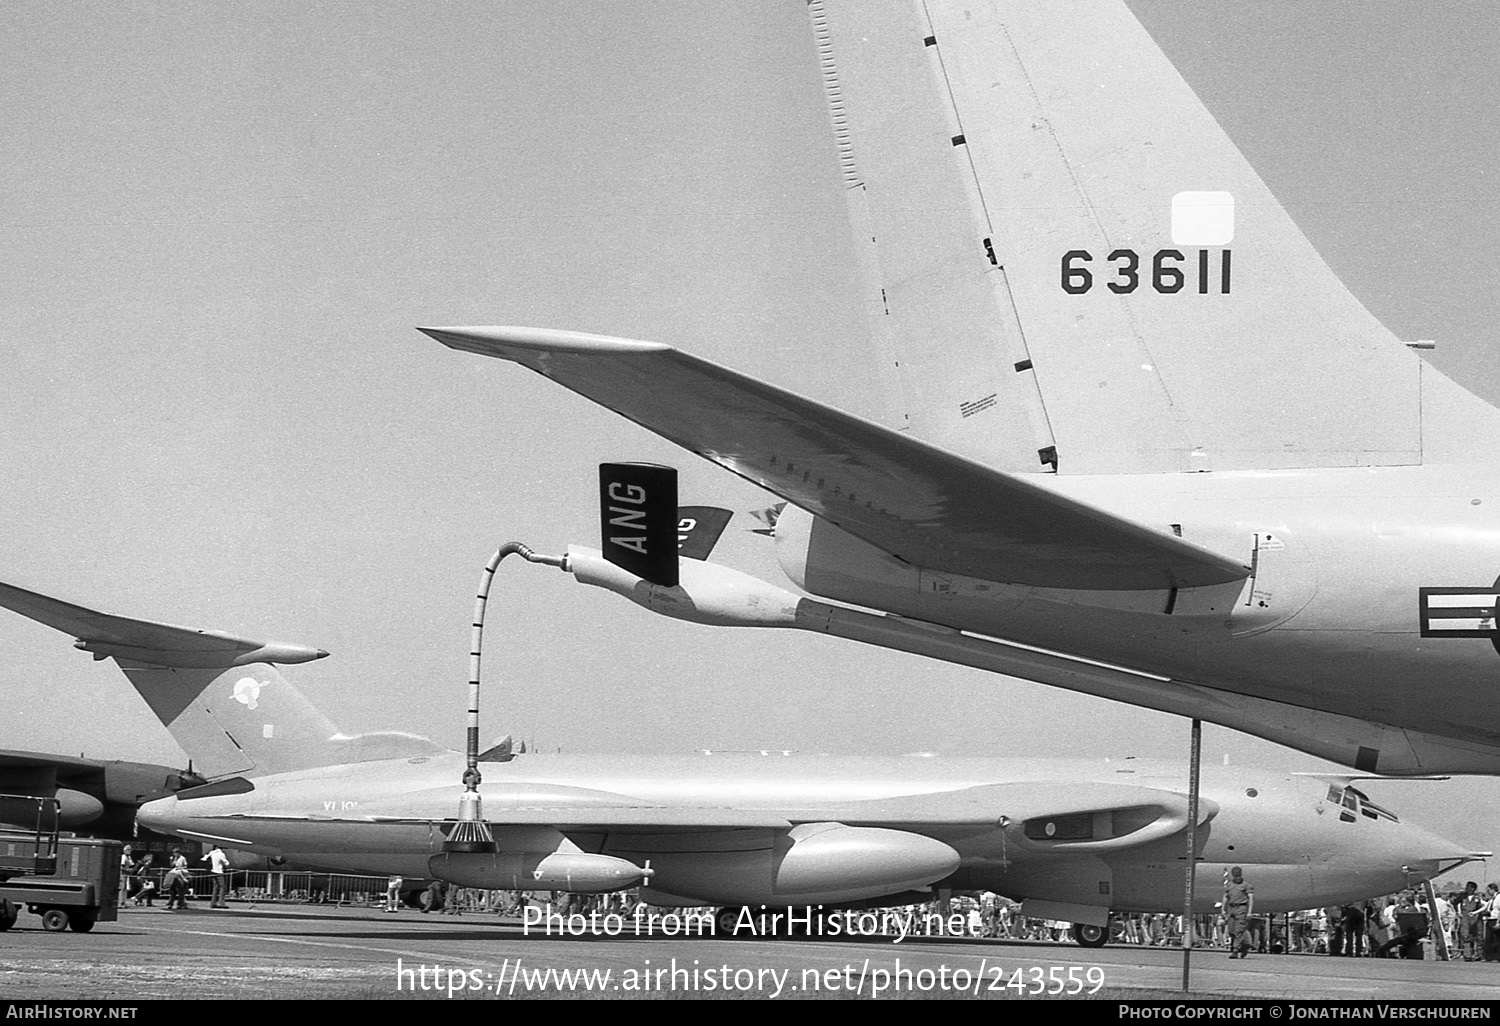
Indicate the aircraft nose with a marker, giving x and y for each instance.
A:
(1425, 856)
(159, 815)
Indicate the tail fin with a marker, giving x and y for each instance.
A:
(699, 529)
(1065, 253)
(220, 696)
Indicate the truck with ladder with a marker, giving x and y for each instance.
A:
(71, 882)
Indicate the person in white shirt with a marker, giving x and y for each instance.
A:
(218, 865)
(127, 867)
(1492, 923)
(177, 880)
(1447, 920)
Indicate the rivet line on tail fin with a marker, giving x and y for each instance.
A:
(835, 95)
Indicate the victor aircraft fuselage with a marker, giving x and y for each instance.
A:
(720, 829)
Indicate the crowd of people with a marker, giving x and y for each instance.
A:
(142, 880)
(1397, 926)
(1463, 923)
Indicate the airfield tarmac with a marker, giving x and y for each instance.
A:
(279, 951)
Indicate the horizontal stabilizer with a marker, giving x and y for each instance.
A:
(218, 695)
(144, 641)
(920, 503)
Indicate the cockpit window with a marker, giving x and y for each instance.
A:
(1351, 800)
(1370, 809)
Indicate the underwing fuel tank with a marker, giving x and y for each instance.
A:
(577, 872)
(830, 857)
(812, 863)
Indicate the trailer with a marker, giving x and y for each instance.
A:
(68, 881)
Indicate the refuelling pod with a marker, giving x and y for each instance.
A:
(813, 863)
(707, 593)
(576, 872)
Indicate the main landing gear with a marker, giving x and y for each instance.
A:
(1089, 936)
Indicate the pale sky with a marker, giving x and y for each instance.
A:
(220, 222)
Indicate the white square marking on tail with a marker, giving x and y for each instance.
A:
(268, 730)
(1203, 219)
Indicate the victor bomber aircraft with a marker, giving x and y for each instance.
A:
(1141, 442)
(1074, 840)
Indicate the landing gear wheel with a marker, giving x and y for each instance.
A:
(1090, 936)
(726, 921)
(9, 910)
(54, 920)
(82, 922)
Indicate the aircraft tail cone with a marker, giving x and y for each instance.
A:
(471, 833)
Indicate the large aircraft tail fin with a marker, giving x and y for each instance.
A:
(220, 696)
(1069, 265)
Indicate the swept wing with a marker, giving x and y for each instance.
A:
(920, 503)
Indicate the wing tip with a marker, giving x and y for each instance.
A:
(501, 341)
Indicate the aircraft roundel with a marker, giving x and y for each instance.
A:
(247, 692)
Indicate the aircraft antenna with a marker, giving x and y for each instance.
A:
(471, 833)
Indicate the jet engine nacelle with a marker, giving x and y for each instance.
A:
(576, 872)
(74, 809)
(813, 863)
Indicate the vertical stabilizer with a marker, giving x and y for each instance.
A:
(954, 362)
(238, 719)
(220, 696)
(1035, 189)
